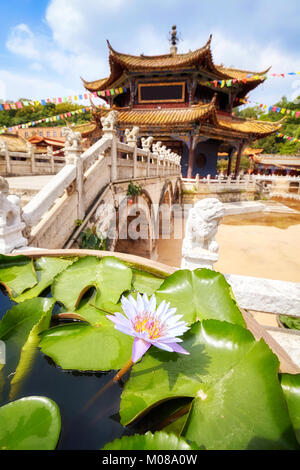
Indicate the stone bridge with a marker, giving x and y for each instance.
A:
(93, 187)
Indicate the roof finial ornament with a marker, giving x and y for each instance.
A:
(173, 39)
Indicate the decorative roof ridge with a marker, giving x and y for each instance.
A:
(233, 69)
(161, 56)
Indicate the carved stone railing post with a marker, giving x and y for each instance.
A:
(155, 149)
(51, 158)
(146, 145)
(208, 181)
(11, 226)
(5, 152)
(109, 127)
(199, 247)
(162, 153)
(31, 156)
(73, 151)
(247, 178)
(131, 137)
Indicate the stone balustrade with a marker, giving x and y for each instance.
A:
(273, 185)
(29, 163)
(50, 215)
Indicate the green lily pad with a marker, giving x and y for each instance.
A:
(46, 269)
(157, 441)
(238, 399)
(97, 346)
(17, 274)
(109, 275)
(144, 282)
(291, 389)
(200, 295)
(31, 423)
(113, 278)
(69, 286)
(17, 327)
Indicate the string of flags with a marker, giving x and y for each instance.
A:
(58, 117)
(46, 119)
(233, 81)
(115, 91)
(287, 137)
(65, 99)
(274, 109)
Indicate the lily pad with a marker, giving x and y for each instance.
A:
(291, 389)
(238, 401)
(31, 423)
(200, 295)
(97, 346)
(145, 282)
(17, 324)
(17, 274)
(46, 269)
(110, 276)
(157, 441)
(69, 286)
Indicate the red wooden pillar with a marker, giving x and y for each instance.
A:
(191, 158)
(230, 154)
(238, 159)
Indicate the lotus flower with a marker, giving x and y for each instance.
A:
(149, 325)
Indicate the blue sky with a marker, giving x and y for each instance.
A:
(46, 45)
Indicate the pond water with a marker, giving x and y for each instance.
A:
(72, 390)
(82, 428)
(258, 244)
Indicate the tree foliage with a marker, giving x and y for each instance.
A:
(291, 126)
(30, 113)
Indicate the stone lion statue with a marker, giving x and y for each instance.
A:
(147, 142)
(73, 139)
(156, 146)
(131, 135)
(199, 245)
(109, 121)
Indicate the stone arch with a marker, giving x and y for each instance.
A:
(166, 194)
(177, 192)
(135, 227)
(165, 215)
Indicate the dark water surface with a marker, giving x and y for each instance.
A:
(72, 390)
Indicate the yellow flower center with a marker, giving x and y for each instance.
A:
(145, 323)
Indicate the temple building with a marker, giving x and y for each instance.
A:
(277, 164)
(172, 98)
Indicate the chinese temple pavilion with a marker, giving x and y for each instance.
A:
(172, 98)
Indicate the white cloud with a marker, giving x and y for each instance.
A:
(76, 25)
(21, 41)
(14, 86)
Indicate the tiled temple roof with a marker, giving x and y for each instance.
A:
(201, 59)
(188, 117)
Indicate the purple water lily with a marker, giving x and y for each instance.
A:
(150, 325)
